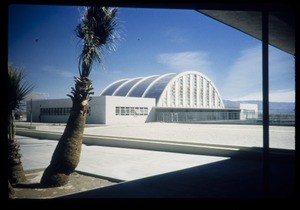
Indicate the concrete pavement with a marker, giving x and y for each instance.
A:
(161, 174)
(282, 137)
(119, 164)
(226, 179)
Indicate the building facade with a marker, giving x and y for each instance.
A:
(189, 89)
(186, 97)
(102, 110)
(248, 111)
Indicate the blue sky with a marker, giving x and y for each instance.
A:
(41, 40)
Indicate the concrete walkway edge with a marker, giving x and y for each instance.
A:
(160, 145)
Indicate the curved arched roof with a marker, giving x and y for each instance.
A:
(147, 87)
(159, 87)
(110, 89)
(125, 87)
(139, 88)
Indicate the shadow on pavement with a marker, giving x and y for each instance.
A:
(240, 178)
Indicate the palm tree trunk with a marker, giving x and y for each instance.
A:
(16, 172)
(67, 152)
(11, 190)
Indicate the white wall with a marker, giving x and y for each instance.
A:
(117, 101)
(96, 115)
(97, 110)
(52, 103)
(102, 110)
(248, 111)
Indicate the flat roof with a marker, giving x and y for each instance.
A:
(281, 25)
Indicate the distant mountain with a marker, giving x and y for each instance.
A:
(275, 107)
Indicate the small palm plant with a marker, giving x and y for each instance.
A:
(18, 90)
(97, 30)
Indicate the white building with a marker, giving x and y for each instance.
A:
(186, 97)
(248, 111)
(103, 110)
(189, 89)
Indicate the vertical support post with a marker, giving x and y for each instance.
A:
(265, 82)
(30, 112)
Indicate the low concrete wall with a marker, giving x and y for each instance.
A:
(160, 145)
(39, 134)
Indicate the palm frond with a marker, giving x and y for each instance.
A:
(97, 30)
(18, 88)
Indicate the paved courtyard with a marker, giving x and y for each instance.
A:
(224, 134)
(220, 176)
(128, 164)
(112, 162)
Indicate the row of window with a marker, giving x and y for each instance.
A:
(196, 116)
(131, 110)
(57, 111)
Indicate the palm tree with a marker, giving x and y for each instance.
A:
(97, 30)
(18, 90)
